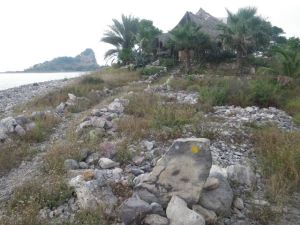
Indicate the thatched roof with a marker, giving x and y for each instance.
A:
(207, 22)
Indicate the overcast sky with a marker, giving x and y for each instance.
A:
(32, 31)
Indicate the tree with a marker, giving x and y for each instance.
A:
(146, 36)
(245, 33)
(189, 37)
(289, 57)
(122, 35)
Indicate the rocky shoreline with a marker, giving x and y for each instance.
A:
(17, 95)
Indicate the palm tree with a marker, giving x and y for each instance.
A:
(245, 33)
(122, 35)
(289, 57)
(186, 38)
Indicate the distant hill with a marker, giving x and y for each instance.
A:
(85, 61)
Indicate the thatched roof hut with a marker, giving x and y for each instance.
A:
(207, 22)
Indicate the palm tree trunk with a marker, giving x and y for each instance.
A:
(239, 59)
(188, 60)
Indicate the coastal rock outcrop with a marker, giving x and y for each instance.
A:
(85, 61)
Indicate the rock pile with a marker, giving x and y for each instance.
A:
(185, 188)
(237, 116)
(179, 96)
(103, 119)
(71, 102)
(19, 125)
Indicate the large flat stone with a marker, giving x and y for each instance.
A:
(182, 171)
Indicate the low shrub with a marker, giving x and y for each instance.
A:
(167, 62)
(124, 155)
(264, 92)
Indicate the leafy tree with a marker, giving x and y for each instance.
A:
(122, 35)
(245, 33)
(277, 35)
(189, 37)
(146, 36)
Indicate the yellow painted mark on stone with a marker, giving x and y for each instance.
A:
(195, 149)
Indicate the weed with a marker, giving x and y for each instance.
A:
(124, 154)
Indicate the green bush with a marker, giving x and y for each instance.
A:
(172, 116)
(151, 70)
(167, 62)
(216, 94)
(91, 80)
(264, 92)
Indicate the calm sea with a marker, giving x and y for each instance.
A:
(10, 80)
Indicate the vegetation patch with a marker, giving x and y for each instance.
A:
(152, 115)
(279, 155)
(43, 127)
(84, 87)
(29, 198)
(56, 156)
(12, 154)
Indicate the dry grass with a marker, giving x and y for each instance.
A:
(264, 215)
(12, 154)
(29, 198)
(43, 127)
(89, 217)
(56, 156)
(136, 128)
(151, 115)
(83, 87)
(19, 149)
(279, 155)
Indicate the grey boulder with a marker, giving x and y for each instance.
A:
(241, 174)
(179, 214)
(134, 210)
(220, 199)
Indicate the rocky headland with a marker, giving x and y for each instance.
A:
(85, 61)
